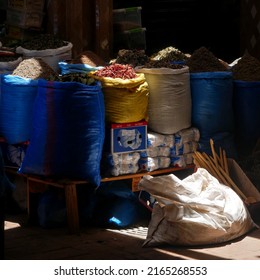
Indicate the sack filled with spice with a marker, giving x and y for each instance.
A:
(17, 100)
(68, 131)
(125, 93)
(212, 100)
(169, 108)
(246, 103)
(47, 47)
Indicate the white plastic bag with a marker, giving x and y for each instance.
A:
(195, 211)
(51, 56)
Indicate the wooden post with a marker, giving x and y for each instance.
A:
(104, 28)
(72, 207)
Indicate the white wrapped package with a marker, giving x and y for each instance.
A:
(190, 134)
(159, 140)
(151, 164)
(184, 148)
(123, 158)
(156, 152)
(195, 211)
(122, 169)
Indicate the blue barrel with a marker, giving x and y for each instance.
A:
(212, 109)
(247, 114)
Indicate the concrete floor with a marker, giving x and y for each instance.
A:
(27, 242)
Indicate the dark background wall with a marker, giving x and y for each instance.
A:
(190, 24)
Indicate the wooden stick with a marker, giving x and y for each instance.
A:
(221, 157)
(213, 151)
(225, 178)
(225, 162)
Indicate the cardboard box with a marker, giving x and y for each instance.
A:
(242, 181)
(128, 137)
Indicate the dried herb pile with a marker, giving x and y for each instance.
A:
(169, 54)
(203, 60)
(247, 69)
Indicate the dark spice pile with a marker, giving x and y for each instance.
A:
(90, 58)
(35, 68)
(44, 42)
(203, 60)
(169, 54)
(247, 69)
(162, 64)
(132, 57)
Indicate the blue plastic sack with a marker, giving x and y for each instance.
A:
(116, 206)
(68, 68)
(68, 131)
(16, 108)
(212, 108)
(247, 114)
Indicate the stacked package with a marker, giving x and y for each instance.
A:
(125, 163)
(171, 150)
(128, 30)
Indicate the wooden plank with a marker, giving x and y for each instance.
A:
(104, 28)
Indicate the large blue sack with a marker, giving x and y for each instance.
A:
(68, 131)
(16, 108)
(247, 114)
(117, 206)
(212, 108)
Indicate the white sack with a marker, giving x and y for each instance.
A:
(51, 56)
(195, 211)
(169, 106)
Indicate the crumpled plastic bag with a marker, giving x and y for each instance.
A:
(195, 211)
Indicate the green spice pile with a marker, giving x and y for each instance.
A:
(35, 68)
(247, 69)
(203, 60)
(169, 54)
